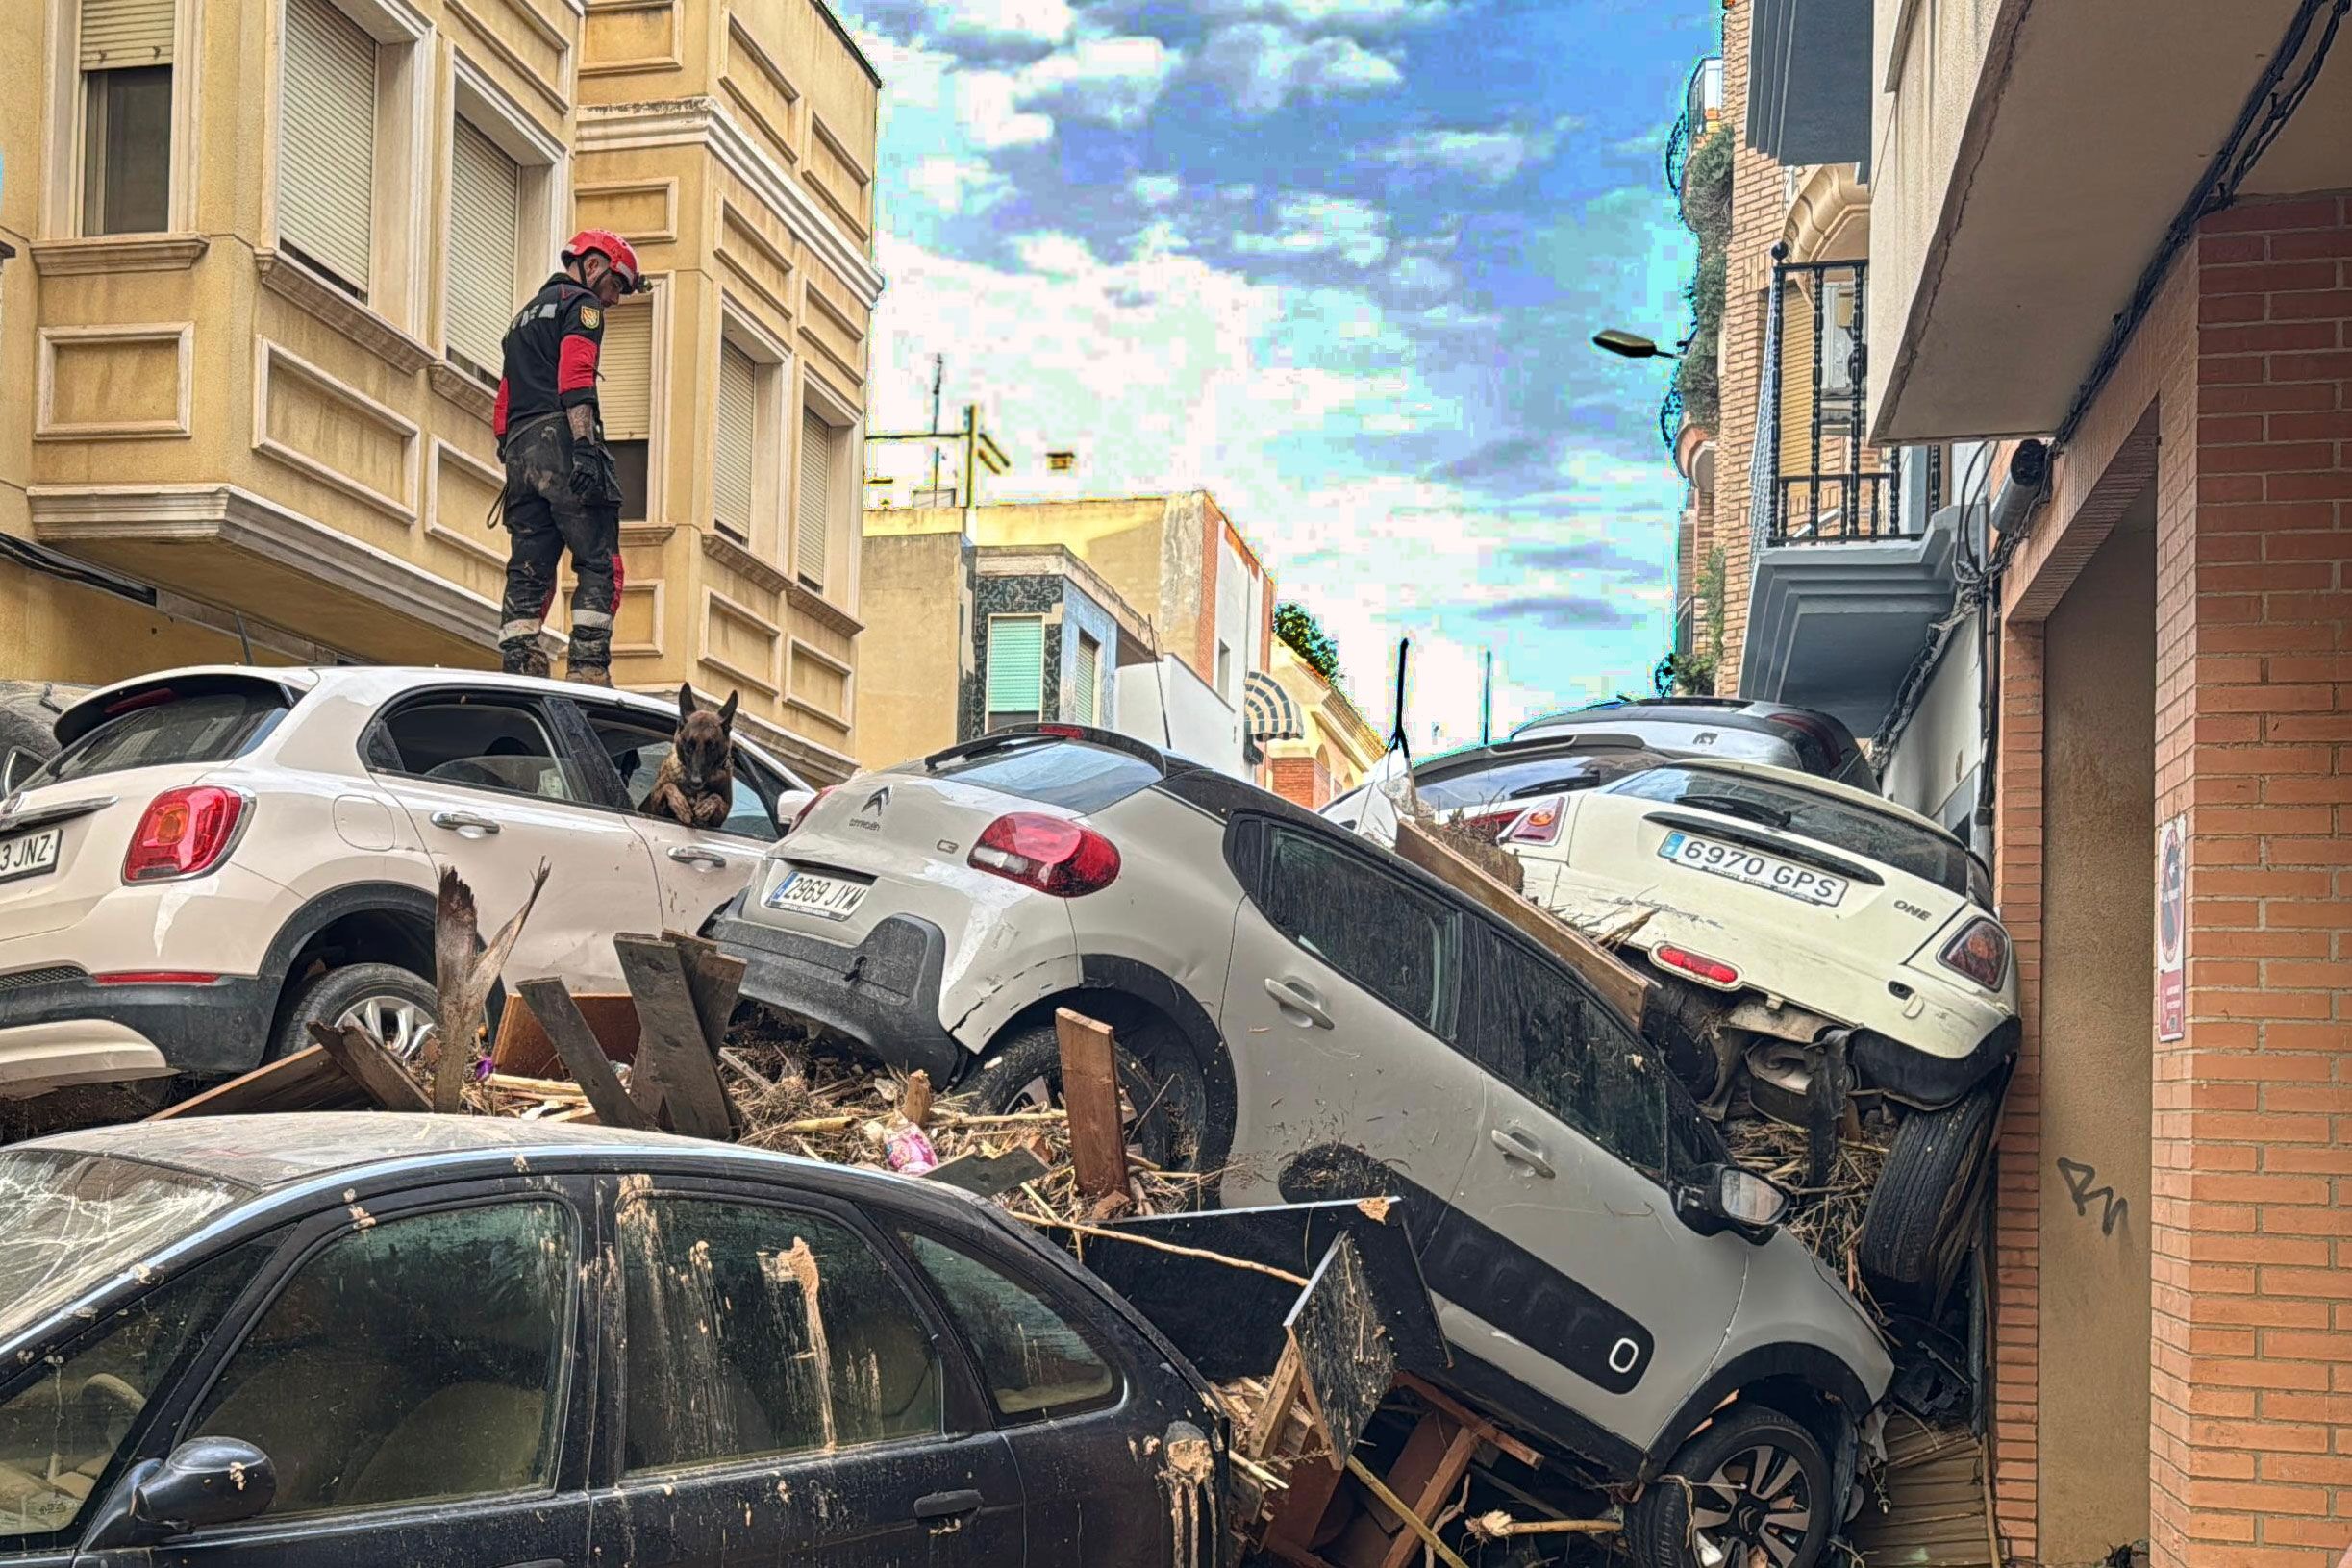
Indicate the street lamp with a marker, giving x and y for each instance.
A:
(1630, 345)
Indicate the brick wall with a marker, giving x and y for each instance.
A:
(2239, 390)
(1300, 781)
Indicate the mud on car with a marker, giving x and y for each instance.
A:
(1309, 1017)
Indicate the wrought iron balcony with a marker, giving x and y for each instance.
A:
(1670, 417)
(1819, 480)
(1702, 109)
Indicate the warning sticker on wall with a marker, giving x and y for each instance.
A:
(2171, 928)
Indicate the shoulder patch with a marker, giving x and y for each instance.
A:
(590, 318)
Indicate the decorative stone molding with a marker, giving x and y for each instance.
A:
(463, 390)
(118, 253)
(814, 605)
(735, 559)
(289, 280)
(1829, 217)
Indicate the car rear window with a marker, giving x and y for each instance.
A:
(1878, 837)
(1518, 777)
(204, 727)
(1070, 774)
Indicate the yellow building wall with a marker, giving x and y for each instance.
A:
(918, 605)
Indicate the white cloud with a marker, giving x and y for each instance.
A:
(1155, 189)
(1264, 65)
(1315, 225)
(1003, 21)
(1490, 157)
(989, 103)
(1055, 255)
(1315, 15)
(1420, 275)
(1112, 81)
(957, 185)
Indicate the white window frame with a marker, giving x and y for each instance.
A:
(770, 362)
(403, 120)
(658, 300)
(65, 158)
(848, 423)
(545, 166)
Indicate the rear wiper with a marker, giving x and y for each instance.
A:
(1739, 806)
(1551, 786)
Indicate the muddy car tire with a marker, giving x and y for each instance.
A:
(1913, 1234)
(382, 991)
(1752, 1472)
(1162, 1083)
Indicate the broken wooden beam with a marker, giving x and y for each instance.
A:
(463, 978)
(672, 1047)
(373, 1067)
(1091, 1095)
(304, 1079)
(552, 1005)
(1345, 1359)
(1617, 983)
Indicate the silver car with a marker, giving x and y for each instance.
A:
(1312, 1017)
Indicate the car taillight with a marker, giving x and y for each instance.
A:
(1047, 853)
(1065, 731)
(184, 833)
(1981, 952)
(802, 816)
(1538, 824)
(1699, 967)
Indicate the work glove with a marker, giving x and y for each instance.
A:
(587, 471)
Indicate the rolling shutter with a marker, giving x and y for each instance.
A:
(738, 396)
(484, 235)
(117, 33)
(327, 139)
(1089, 677)
(817, 458)
(624, 363)
(1016, 663)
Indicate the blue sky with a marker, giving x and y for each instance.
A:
(1336, 261)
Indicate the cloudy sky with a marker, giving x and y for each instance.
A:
(1336, 261)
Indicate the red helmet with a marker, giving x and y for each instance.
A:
(614, 249)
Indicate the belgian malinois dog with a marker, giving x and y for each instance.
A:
(696, 783)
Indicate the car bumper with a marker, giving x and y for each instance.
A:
(882, 993)
(1925, 1081)
(71, 1030)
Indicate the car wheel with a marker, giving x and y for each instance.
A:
(396, 1005)
(1915, 1230)
(1167, 1098)
(1752, 1482)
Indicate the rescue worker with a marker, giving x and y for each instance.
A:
(563, 490)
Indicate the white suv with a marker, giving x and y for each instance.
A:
(220, 856)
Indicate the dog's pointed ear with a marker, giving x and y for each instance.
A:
(685, 702)
(726, 714)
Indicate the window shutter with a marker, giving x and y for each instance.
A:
(624, 390)
(737, 395)
(327, 139)
(1089, 677)
(117, 33)
(816, 457)
(484, 235)
(1016, 663)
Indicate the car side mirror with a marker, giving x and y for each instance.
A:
(205, 1481)
(1728, 1198)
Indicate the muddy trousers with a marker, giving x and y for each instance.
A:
(544, 516)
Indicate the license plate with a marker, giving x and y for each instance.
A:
(1801, 882)
(805, 892)
(31, 855)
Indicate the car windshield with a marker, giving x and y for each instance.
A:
(1496, 780)
(1070, 774)
(203, 727)
(1879, 837)
(69, 1220)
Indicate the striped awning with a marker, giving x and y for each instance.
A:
(1268, 711)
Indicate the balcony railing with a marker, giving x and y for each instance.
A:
(1702, 107)
(1829, 484)
(1670, 417)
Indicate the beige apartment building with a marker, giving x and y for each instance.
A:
(264, 254)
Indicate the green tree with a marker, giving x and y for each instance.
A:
(1296, 624)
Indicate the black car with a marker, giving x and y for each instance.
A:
(376, 1339)
(1508, 774)
(1734, 728)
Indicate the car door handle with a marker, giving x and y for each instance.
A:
(708, 859)
(463, 821)
(948, 1504)
(1518, 1147)
(1296, 998)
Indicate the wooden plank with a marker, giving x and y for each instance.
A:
(672, 1043)
(1488, 1431)
(714, 979)
(308, 1079)
(580, 1051)
(985, 1176)
(1345, 1361)
(1417, 1533)
(1091, 1095)
(1619, 983)
(524, 1048)
(1267, 1424)
(371, 1066)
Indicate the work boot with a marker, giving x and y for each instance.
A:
(589, 675)
(523, 657)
